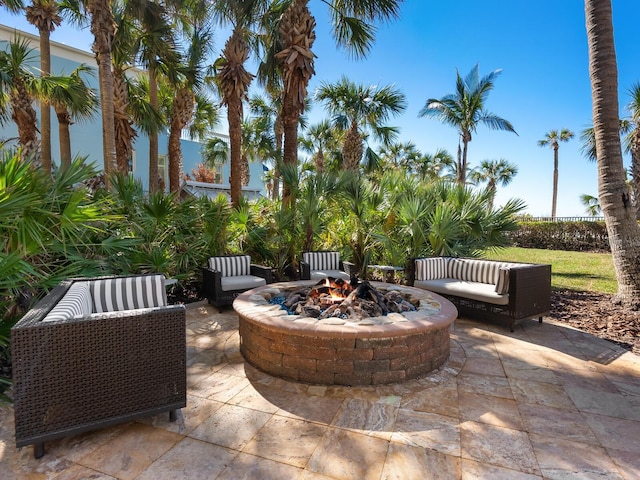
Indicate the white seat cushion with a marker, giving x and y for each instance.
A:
(76, 303)
(482, 292)
(322, 274)
(241, 282)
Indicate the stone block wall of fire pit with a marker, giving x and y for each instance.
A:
(390, 349)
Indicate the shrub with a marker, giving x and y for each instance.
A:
(576, 236)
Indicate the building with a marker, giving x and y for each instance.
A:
(86, 136)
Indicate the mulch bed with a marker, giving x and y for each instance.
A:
(598, 315)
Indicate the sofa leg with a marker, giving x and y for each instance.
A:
(173, 415)
(38, 449)
(511, 326)
(540, 320)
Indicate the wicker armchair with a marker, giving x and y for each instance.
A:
(322, 264)
(76, 370)
(226, 277)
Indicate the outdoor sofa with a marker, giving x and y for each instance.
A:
(486, 289)
(319, 265)
(94, 353)
(225, 277)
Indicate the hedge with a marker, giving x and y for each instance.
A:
(572, 236)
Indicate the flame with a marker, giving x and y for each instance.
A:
(331, 290)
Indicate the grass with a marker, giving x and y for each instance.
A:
(583, 271)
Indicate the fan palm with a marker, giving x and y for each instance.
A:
(357, 109)
(321, 140)
(353, 29)
(269, 108)
(553, 139)
(430, 165)
(494, 172)
(43, 14)
(17, 81)
(465, 110)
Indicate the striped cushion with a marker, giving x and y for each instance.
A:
(231, 266)
(431, 268)
(502, 285)
(76, 303)
(128, 293)
(322, 260)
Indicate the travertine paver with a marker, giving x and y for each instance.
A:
(545, 401)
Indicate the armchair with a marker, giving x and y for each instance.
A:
(226, 277)
(322, 264)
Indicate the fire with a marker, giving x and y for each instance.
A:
(331, 290)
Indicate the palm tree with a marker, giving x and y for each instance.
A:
(633, 141)
(465, 110)
(269, 108)
(321, 140)
(494, 172)
(258, 143)
(184, 103)
(215, 152)
(591, 204)
(13, 6)
(103, 30)
(17, 81)
(43, 14)
(622, 226)
(357, 109)
(353, 29)
(553, 139)
(72, 99)
(233, 78)
(430, 165)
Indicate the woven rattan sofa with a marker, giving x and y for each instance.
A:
(487, 289)
(226, 277)
(78, 367)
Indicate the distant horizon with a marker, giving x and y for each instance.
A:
(544, 83)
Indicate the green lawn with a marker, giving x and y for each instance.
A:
(583, 271)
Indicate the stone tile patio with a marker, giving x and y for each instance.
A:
(545, 401)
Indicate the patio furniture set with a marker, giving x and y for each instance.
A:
(96, 352)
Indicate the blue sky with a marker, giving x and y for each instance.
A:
(541, 48)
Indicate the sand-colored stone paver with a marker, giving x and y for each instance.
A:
(546, 401)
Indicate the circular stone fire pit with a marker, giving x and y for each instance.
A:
(333, 351)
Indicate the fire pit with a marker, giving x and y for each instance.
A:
(328, 337)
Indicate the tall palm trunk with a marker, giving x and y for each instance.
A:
(23, 114)
(44, 15)
(183, 107)
(462, 167)
(278, 128)
(622, 227)
(154, 176)
(234, 116)
(103, 30)
(352, 149)
(297, 30)
(124, 132)
(64, 121)
(554, 201)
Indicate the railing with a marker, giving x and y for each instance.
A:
(561, 219)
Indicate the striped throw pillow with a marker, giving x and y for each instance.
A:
(502, 285)
(76, 303)
(322, 260)
(431, 268)
(128, 293)
(231, 266)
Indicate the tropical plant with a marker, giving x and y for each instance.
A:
(257, 144)
(591, 204)
(17, 80)
(465, 110)
(73, 100)
(553, 139)
(494, 172)
(321, 140)
(233, 79)
(429, 166)
(357, 109)
(215, 152)
(352, 23)
(43, 14)
(622, 226)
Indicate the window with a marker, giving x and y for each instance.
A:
(163, 172)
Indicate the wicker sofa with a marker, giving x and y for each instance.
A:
(319, 265)
(487, 289)
(94, 353)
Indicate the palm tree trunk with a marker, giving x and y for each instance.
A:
(290, 119)
(462, 168)
(278, 128)
(154, 177)
(103, 29)
(352, 149)
(124, 132)
(622, 227)
(234, 117)
(554, 201)
(64, 120)
(45, 108)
